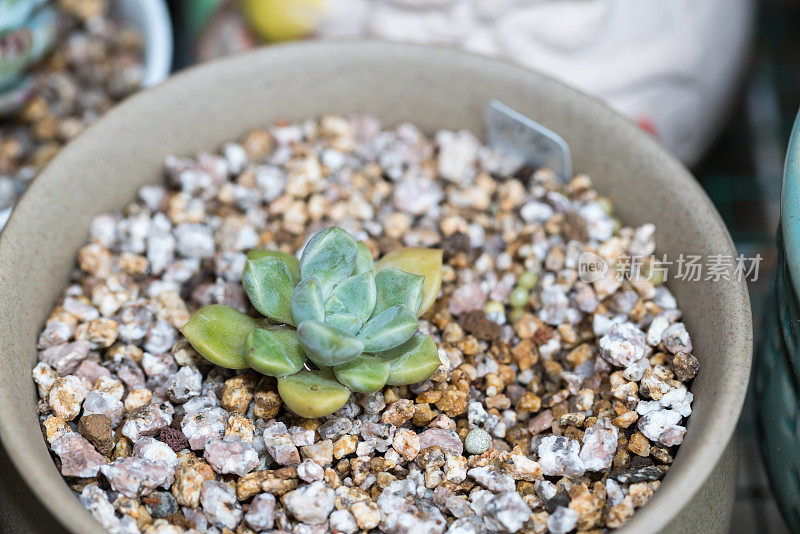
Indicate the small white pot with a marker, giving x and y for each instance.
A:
(151, 18)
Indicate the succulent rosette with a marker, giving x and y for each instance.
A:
(334, 321)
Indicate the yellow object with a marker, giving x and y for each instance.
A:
(283, 20)
(426, 262)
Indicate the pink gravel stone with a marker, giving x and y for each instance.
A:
(78, 457)
(203, 425)
(219, 504)
(260, 514)
(231, 455)
(66, 357)
(599, 446)
(448, 440)
(91, 371)
(145, 421)
(672, 436)
(133, 477)
(541, 422)
(152, 450)
(467, 298)
(104, 403)
(279, 444)
(623, 344)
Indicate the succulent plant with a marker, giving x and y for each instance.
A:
(336, 322)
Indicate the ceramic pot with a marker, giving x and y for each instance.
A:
(777, 374)
(151, 18)
(435, 88)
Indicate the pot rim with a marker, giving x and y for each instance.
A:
(675, 493)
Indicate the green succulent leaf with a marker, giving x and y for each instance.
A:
(355, 296)
(330, 256)
(344, 322)
(269, 287)
(365, 374)
(275, 351)
(291, 261)
(364, 260)
(326, 345)
(307, 301)
(312, 394)
(398, 288)
(388, 329)
(219, 332)
(334, 305)
(413, 361)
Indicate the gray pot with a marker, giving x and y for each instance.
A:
(434, 88)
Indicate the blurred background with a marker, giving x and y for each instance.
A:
(716, 81)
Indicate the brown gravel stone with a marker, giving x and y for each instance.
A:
(639, 445)
(366, 514)
(640, 493)
(432, 395)
(626, 419)
(661, 455)
(430, 457)
(423, 414)
(477, 324)
(529, 402)
(267, 404)
(406, 442)
(574, 227)
(237, 394)
(527, 325)
(589, 509)
(102, 332)
(685, 366)
(122, 448)
(321, 452)
(97, 429)
(453, 402)
(498, 402)
(275, 482)
(579, 355)
(453, 333)
(399, 412)
(617, 515)
(454, 244)
(542, 335)
(345, 445)
(573, 418)
(469, 345)
(525, 354)
(188, 483)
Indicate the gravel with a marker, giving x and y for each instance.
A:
(574, 394)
